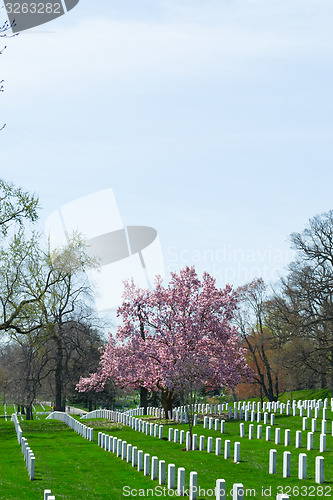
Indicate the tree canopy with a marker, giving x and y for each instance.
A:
(174, 339)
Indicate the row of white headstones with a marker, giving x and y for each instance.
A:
(308, 406)
(178, 415)
(244, 409)
(241, 410)
(19, 414)
(156, 469)
(83, 430)
(26, 450)
(28, 454)
(141, 460)
(209, 422)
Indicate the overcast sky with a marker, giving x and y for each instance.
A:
(210, 120)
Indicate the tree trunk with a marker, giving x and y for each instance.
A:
(234, 395)
(144, 399)
(331, 375)
(58, 376)
(29, 414)
(277, 387)
(167, 398)
(167, 407)
(261, 395)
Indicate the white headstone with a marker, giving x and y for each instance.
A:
(218, 446)
(134, 456)
(313, 425)
(302, 463)
(286, 463)
(140, 460)
(319, 476)
(220, 490)
(237, 452)
(287, 437)
(193, 493)
(194, 442)
(161, 472)
(322, 446)
(309, 441)
(154, 462)
(202, 443)
(181, 481)
(227, 448)
(171, 476)
(272, 461)
(268, 433)
(238, 491)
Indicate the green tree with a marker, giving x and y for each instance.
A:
(18, 255)
(64, 302)
(16, 207)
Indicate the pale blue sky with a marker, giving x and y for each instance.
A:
(210, 120)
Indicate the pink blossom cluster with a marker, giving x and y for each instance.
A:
(177, 338)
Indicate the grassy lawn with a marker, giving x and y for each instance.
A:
(252, 470)
(69, 465)
(75, 468)
(10, 408)
(306, 394)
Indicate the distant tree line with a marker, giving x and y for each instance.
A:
(287, 330)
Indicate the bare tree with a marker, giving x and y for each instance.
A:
(307, 299)
(264, 344)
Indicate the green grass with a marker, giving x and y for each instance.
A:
(69, 465)
(252, 471)
(10, 409)
(300, 395)
(306, 394)
(74, 468)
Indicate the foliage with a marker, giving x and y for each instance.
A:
(16, 206)
(174, 340)
(62, 292)
(44, 300)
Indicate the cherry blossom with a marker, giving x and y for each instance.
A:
(173, 339)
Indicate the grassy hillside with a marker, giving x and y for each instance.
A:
(74, 468)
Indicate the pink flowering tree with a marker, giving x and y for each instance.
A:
(174, 340)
